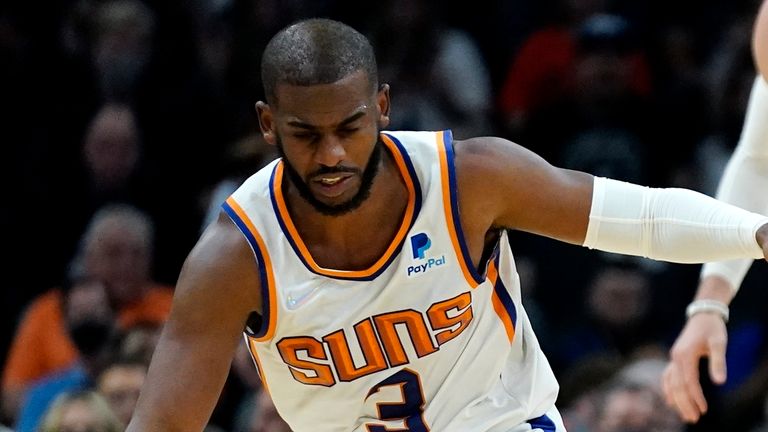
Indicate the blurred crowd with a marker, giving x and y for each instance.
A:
(127, 122)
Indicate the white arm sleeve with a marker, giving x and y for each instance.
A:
(674, 225)
(745, 180)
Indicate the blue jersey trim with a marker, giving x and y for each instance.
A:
(503, 293)
(262, 270)
(544, 423)
(448, 143)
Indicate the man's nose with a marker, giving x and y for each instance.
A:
(330, 151)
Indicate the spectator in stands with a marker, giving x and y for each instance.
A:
(81, 412)
(630, 407)
(120, 383)
(441, 76)
(90, 324)
(122, 47)
(616, 319)
(116, 249)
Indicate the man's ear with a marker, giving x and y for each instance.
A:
(266, 122)
(382, 100)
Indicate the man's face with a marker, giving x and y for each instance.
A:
(80, 416)
(120, 255)
(328, 137)
(120, 385)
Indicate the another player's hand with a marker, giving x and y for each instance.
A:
(762, 232)
(704, 335)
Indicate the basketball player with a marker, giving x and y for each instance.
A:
(370, 270)
(744, 184)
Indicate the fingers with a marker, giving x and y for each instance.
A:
(682, 390)
(703, 336)
(762, 232)
(717, 368)
(693, 387)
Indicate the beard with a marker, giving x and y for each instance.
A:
(366, 181)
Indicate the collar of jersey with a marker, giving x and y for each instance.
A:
(405, 166)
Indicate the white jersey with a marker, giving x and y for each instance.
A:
(419, 341)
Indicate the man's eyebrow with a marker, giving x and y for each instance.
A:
(302, 125)
(352, 118)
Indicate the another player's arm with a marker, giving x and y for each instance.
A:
(760, 41)
(743, 184)
(502, 185)
(217, 290)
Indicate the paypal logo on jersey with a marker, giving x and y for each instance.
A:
(420, 243)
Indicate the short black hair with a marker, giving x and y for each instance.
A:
(315, 51)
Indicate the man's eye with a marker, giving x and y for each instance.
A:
(305, 136)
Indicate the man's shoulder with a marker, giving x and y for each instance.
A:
(220, 270)
(486, 154)
(222, 251)
(490, 168)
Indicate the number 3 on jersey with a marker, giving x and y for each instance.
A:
(410, 409)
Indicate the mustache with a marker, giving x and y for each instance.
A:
(334, 170)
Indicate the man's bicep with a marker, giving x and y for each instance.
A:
(214, 297)
(558, 205)
(526, 192)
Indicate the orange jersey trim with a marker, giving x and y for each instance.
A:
(498, 305)
(450, 206)
(245, 224)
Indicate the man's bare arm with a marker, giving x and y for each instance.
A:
(217, 290)
(502, 185)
